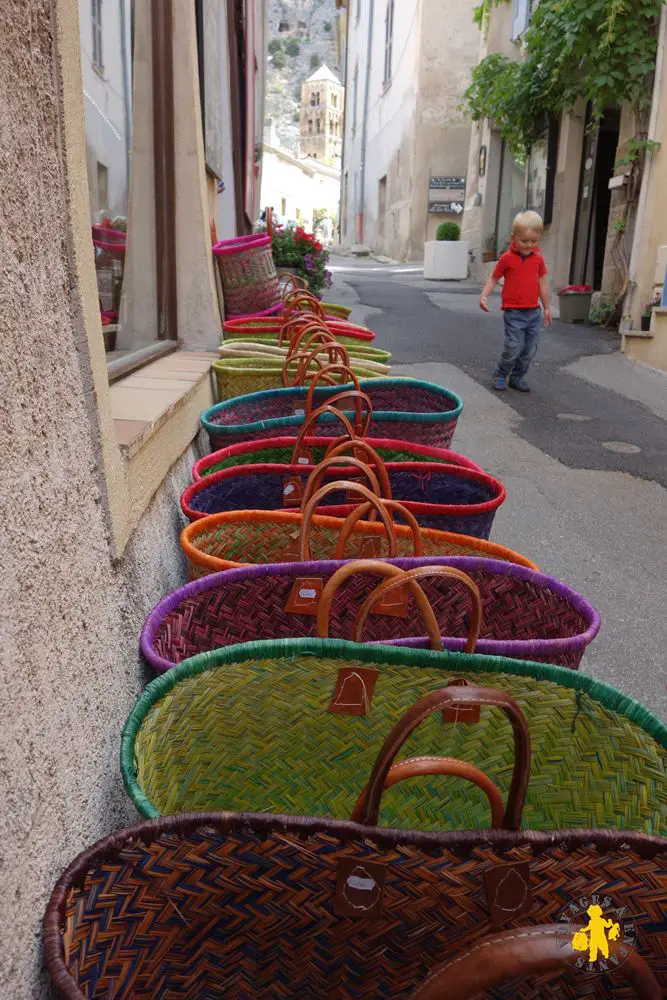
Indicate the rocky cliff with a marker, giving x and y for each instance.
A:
(302, 36)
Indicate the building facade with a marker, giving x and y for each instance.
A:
(322, 116)
(299, 191)
(576, 178)
(408, 65)
(101, 457)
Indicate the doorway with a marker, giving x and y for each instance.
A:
(594, 199)
(382, 206)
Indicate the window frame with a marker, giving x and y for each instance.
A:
(522, 11)
(96, 23)
(388, 44)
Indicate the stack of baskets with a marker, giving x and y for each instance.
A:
(348, 628)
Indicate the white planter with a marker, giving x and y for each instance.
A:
(446, 261)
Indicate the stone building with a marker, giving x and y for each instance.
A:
(322, 117)
(408, 65)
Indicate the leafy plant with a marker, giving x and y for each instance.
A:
(601, 50)
(449, 232)
(653, 304)
(293, 247)
(327, 27)
(601, 314)
(635, 148)
(292, 48)
(279, 60)
(275, 45)
(315, 61)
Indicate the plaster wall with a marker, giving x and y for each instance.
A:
(449, 49)
(301, 185)
(71, 612)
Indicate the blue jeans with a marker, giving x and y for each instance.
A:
(522, 331)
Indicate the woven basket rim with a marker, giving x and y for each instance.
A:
(272, 366)
(520, 647)
(427, 509)
(393, 444)
(214, 564)
(221, 430)
(336, 649)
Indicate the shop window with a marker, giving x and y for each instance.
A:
(511, 197)
(108, 105)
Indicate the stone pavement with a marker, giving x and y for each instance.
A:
(593, 517)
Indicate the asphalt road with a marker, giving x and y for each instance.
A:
(566, 416)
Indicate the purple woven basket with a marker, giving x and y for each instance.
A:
(448, 498)
(248, 273)
(407, 409)
(526, 614)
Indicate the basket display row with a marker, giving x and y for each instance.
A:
(332, 809)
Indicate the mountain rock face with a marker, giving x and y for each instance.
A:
(302, 36)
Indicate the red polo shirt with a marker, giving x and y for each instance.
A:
(522, 278)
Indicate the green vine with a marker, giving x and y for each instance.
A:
(634, 150)
(601, 50)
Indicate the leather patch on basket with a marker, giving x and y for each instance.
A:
(354, 691)
(394, 604)
(299, 411)
(304, 456)
(292, 551)
(369, 548)
(508, 892)
(359, 888)
(292, 491)
(351, 497)
(462, 713)
(305, 596)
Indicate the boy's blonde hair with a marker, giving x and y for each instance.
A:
(527, 220)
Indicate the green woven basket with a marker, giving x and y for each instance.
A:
(248, 728)
(239, 376)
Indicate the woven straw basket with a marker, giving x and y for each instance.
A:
(222, 541)
(525, 615)
(294, 726)
(240, 376)
(248, 274)
(282, 451)
(408, 409)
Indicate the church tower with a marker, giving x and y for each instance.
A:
(322, 110)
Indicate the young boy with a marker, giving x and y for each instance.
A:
(525, 275)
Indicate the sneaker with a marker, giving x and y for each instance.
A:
(499, 383)
(519, 384)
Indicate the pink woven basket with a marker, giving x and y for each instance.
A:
(249, 279)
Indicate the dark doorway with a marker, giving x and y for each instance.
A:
(594, 201)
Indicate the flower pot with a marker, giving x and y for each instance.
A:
(446, 260)
(574, 306)
(646, 324)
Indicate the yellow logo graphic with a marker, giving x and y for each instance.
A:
(600, 931)
(595, 937)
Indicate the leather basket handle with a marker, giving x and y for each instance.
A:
(391, 505)
(288, 283)
(296, 301)
(308, 337)
(416, 767)
(377, 567)
(305, 363)
(316, 500)
(361, 399)
(269, 221)
(379, 481)
(523, 951)
(311, 419)
(419, 573)
(302, 323)
(451, 697)
(347, 372)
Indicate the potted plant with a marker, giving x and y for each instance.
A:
(446, 257)
(298, 252)
(648, 312)
(574, 302)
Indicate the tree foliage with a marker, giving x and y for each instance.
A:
(601, 50)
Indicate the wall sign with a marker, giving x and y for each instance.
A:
(446, 195)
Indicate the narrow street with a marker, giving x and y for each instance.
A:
(583, 457)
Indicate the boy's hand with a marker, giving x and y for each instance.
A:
(547, 316)
(484, 304)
